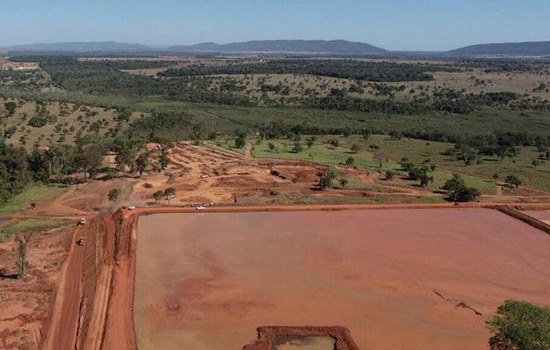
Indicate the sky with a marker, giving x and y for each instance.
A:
(423, 25)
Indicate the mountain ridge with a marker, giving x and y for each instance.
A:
(81, 47)
(285, 46)
(330, 47)
(528, 48)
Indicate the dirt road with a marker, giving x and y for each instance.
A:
(64, 323)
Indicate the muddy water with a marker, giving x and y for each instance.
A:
(393, 277)
(307, 343)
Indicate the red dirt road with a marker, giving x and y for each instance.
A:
(64, 323)
(395, 278)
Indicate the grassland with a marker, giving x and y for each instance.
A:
(475, 81)
(418, 152)
(36, 193)
(381, 160)
(383, 199)
(31, 225)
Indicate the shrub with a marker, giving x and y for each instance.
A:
(520, 325)
(513, 181)
(297, 147)
(343, 182)
(37, 122)
(390, 174)
(334, 143)
(324, 182)
(240, 141)
(113, 194)
(158, 195)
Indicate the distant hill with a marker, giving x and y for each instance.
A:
(105, 46)
(285, 46)
(330, 47)
(541, 48)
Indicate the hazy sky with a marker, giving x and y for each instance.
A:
(391, 24)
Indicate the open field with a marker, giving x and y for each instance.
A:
(32, 225)
(394, 278)
(418, 152)
(325, 154)
(33, 194)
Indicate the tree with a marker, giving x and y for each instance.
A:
(170, 191)
(11, 107)
(164, 147)
(240, 141)
(331, 174)
(520, 325)
(52, 156)
(466, 154)
(425, 180)
(198, 134)
(271, 146)
(350, 161)
(420, 174)
(390, 174)
(366, 134)
(123, 116)
(454, 184)
(310, 142)
(297, 147)
(457, 191)
(324, 182)
(355, 148)
(334, 143)
(142, 162)
(127, 149)
(89, 159)
(158, 195)
(513, 181)
(21, 252)
(395, 135)
(113, 194)
(343, 182)
(535, 163)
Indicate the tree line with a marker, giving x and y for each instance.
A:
(61, 163)
(346, 69)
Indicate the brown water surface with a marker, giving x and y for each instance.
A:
(393, 277)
